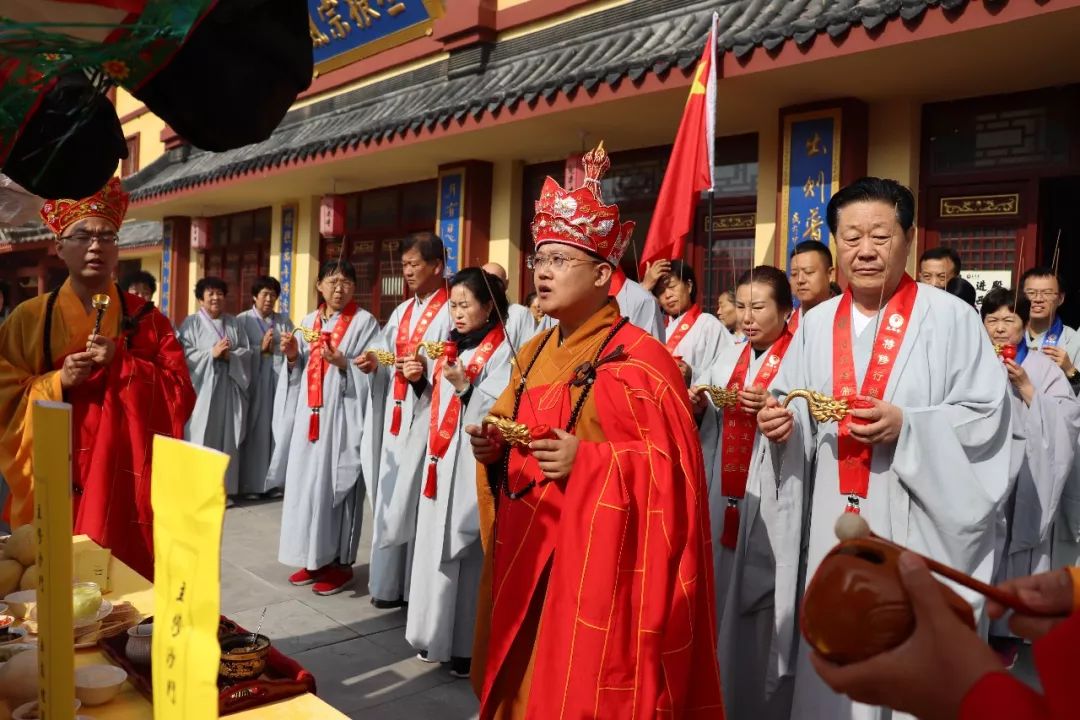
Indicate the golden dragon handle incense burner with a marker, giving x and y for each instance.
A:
(309, 335)
(433, 348)
(722, 397)
(823, 408)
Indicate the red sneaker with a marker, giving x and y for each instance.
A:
(303, 576)
(333, 580)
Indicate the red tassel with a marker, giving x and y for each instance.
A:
(395, 419)
(729, 538)
(852, 509)
(432, 481)
(313, 427)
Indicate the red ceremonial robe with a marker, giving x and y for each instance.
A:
(144, 391)
(598, 592)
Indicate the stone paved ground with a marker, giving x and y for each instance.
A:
(358, 654)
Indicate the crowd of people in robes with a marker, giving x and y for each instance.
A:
(607, 501)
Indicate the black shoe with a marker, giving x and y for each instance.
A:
(387, 604)
(460, 667)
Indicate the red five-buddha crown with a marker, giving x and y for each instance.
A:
(110, 203)
(580, 217)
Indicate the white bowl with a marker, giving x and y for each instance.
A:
(98, 684)
(21, 603)
(29, 711)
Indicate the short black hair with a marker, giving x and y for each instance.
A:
(962, 289)
(265, 282)
(332, 267)
(1000, 297)
(529, 298)
(485, 287)
(942, 252)
(809, 246)
(873, 189)
(139, 277)
(428, 244)
(773, 277)
(682, 271)
(210, 283)
(1040, 271)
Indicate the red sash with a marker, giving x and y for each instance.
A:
(688, 321)
(618, 279)
(317, 364)
(739, 429)
(439, 434)
(793, 323)
(854, 456)
(404, 340)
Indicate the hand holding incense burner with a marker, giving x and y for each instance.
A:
(721, 397)
(513, 433)
(310, 336)
(1006, 352)
(100, 303)
(823, 408)
(856, 606)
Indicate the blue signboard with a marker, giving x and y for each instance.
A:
(344, 31)
(451, 215)
(166, 266)
(288, 230)
(811, 174)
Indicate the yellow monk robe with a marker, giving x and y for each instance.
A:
(597, 595)
(144, 391)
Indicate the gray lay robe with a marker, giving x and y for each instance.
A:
(392, 535)
(448, 556)
(324, 482)
(1069, 342)
(1043, 455)
(221, 388)
(258, 443)
(636, 303)
(937, 490)
(701, 345)
(745, 632)
(521, 326)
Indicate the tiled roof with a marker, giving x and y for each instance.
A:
(626, 42)
(133, 234)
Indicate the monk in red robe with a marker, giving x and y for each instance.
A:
(909, 677)
(597, 593)
(126, 382)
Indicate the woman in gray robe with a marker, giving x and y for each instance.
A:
(264, 329)
(318, 436)
(219, 359)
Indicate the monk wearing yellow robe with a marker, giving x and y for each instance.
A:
(597, 594)
(126, 382)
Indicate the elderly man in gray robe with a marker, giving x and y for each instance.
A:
(218, 357)
(264, 329)
(391, 421)
(922, 454)
(521, 326)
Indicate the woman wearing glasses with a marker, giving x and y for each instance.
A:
(318, 421)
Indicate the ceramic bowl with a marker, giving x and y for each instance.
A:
(138, 643)
(242, 658)
(21, 603)
(30, 711)
(98, 684)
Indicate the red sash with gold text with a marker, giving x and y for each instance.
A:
(854, 456)
(317, 364)
(405, 344)
(739, 429)
(440, 433)
(793, 323)
(688, 321)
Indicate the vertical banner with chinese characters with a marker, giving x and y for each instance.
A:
(288, 234)
(52, 530)
(166, 266)
(450, 222)
(344, 31)
(188, 496)
(810, 175)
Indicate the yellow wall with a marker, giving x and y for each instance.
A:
(305, 257)
(149, 127)
(765, 232)
(893, 147)
(152, 265)
(125, 102)
(505, 245)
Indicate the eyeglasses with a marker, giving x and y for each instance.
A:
(84, 238)
(1041, 294)
(557, 262)
(338, 284)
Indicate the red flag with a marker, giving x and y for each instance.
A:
(690, 170)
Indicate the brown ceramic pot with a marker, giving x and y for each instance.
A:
(246, 665)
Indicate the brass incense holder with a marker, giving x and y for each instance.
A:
(385, 357)
(513, 433)
(310, 336)
(100, 303)
(823, 408)
(1005, 352)
(722, 397)
(433, 348)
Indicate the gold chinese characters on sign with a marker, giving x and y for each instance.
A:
(981, 205)
(727, 223)
(342, 15)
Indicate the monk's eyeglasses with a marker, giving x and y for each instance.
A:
(84, 238)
